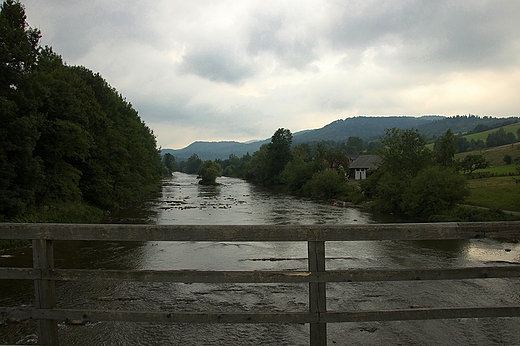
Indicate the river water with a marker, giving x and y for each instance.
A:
(183, 201)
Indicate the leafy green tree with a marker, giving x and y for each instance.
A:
(258, 166)
(433, 191)
(404, 157)
(65, 133)
(404, 152)
(279, 152)
(208, 172)
(269, 161)
(170, 163)
(326, 184)
(193, 164)
(299, 170)
(472, 162)
(20, 171)
(445, 148)
(355, 145)
(500, 137)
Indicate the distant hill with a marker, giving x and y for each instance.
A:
(369, 128)
(215, 150)
(464, 124)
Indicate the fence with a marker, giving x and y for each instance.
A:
(45, 274)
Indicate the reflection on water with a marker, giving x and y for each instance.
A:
(183, 201)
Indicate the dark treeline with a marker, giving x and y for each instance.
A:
(66, 135)
(494, 139)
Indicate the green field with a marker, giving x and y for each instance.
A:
(496, 192)
(495, 155)
(498, 187)
(483, 135)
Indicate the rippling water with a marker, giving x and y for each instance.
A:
(183, 201)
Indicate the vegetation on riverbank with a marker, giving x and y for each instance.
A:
(70, 144)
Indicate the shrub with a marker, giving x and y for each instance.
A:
(433, 191)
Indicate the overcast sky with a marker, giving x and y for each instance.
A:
(239, 70)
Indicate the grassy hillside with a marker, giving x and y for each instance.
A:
(496, 192)
(495, 155)
(497, 187)
(483, 135)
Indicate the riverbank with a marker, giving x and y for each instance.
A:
(55, 213)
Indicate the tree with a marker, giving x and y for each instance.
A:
(66, 135)
(326, 184)
(405, 152)
(257, 170)
(170, 163)
(208, 172)
(433, 191)
(355, 145)
(279, 152)
(445, 148)
(20, 171)
(508, 159)
(500, 137)
(193, 164)
(409, 181)
(299, 170)
(472, 162)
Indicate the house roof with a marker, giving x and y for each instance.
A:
(366, 161)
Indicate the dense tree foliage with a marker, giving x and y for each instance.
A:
(65, 134)
(208, 173)
(413, 181)
(500, 137)
(473, 162)
(170, 164)
(192, 165)
(445, 148)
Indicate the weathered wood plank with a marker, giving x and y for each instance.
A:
(43, 258)
(420, 314)
(317, 292)
(351, 232)
(20, 273)
(156, 316)
(292, 317)
(196, 276)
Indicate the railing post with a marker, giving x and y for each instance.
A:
(43, 258)
(317, 292)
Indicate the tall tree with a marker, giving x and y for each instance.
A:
(403, 156)
(279, 152)
(445, 148)
(19, 121)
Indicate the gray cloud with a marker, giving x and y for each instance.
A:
(217, 66)
(235, 70)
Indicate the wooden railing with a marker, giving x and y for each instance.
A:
(45, 274)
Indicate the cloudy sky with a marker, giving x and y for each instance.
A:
(238, 70)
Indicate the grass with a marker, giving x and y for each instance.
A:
(483, 135)
(495, 155)
(56, 213)
(495, 192)
(63, 213)
(495, 187)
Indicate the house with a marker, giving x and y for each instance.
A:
(361, 164)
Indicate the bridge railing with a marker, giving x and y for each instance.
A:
(45, 274)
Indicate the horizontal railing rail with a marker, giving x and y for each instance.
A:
(45, 274)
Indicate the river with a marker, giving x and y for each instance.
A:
(183, 201)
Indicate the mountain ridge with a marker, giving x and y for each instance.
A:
(369, 128)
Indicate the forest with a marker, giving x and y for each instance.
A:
(66, 136)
